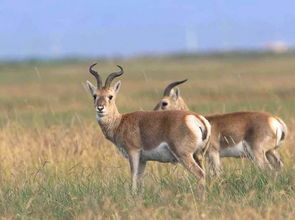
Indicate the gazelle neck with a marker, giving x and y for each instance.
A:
(109, 123)
(183, 105)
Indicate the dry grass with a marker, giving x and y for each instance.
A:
(55, 162)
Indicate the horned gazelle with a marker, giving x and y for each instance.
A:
(141, 136)
(237, 134)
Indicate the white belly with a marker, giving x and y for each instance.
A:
(234, 151)
(162, 153)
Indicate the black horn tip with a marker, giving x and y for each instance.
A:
(92, 66)
(121, 70)
(183, 81)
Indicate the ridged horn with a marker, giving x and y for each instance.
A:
(112, 76)
(96, 75)
(171, 86)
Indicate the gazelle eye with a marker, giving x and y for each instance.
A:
(110, 97)
(94, 97)
(164, 103)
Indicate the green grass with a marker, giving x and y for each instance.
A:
(56, 164)
(48, 194)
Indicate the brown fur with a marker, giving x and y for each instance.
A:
(173, 104)
(146, 130)
(253, 129)
(139, 134)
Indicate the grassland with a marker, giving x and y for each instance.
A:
(56, 164)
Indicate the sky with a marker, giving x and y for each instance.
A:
(61, 28)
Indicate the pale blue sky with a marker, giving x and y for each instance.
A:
(57, 28)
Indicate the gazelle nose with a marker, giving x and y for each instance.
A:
(100, 108)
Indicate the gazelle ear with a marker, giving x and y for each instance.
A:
(175, 93)
(91, 87)
(117, 86)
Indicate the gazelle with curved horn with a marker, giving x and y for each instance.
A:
(237, 134)
(141, 136)
(172, 97)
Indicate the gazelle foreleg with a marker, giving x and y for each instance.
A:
(214, 161)
(134, 161)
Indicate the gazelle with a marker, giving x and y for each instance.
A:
(239, 134)
(141, 136)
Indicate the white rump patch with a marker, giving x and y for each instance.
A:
(277, 129)
(208, 127)
(161, 153)
(195, 125)
(237, 150)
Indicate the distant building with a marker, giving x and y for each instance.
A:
(277, 46)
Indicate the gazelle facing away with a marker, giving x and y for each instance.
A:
(141, 136)
(239, 134)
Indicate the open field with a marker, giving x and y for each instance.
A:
(55, 162)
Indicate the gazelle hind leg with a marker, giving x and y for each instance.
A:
(199, 159)
(188, 161)
(274, 159)
(257, 155)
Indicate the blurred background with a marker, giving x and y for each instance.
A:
(60, 29)
(237, 55)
